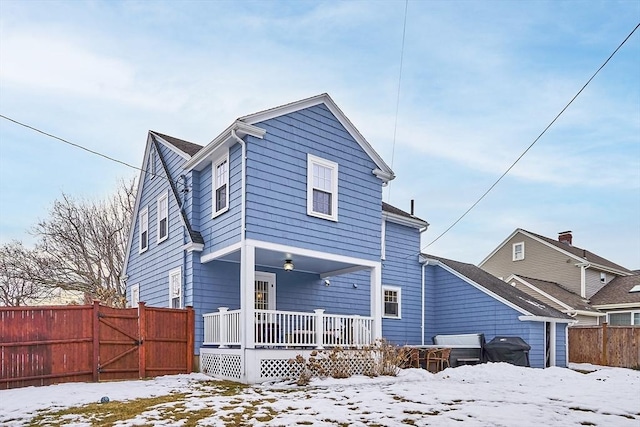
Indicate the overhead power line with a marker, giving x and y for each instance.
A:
(534, 142)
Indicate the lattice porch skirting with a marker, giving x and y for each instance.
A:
(253, 366)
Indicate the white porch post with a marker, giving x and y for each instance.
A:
(247, 291)
(319, 327)
(224, 326)
(376, 300)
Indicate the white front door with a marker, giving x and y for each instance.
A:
(265, 291)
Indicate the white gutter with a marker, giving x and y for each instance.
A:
(544, 319)
(424, 264)
(583, 278)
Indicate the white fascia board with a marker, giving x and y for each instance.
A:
(544, 319)
(312, 254)
(403, 220)
(170, 146)
(600, 267)
(481, 288)
(136, 206)
(383, 170)
(206, 154)
(504, 242)
(191, 247)
(616, 306)
(530, 286)
(220, 253)
(587, 313)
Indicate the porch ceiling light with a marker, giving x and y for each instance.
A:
(288, 265)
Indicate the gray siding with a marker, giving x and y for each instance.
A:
(527, 290)
(540, 262)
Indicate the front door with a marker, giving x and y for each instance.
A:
(265, 291)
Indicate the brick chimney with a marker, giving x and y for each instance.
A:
(565, 237)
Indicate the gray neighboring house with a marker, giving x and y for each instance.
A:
(554, 271)
(620, 299)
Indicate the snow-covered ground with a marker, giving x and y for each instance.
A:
(494, 394)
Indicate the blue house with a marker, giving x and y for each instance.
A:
(276, 234)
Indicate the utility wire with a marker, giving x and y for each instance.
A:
(534, 142)
(395, 126)
(79, 146)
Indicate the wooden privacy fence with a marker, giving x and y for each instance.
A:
(46, 345)
(605, 345)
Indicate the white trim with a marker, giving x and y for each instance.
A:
(383, 171)
(134, 290)
(204, 156)
(191, 247)
(220, 252)
(403, 220)
(311, 253)
(383, 237)
(333, 167)
(164, 196)
(546, 295)
(271, 279)
(144, 213)
(215, 185)
(514, 252)
(552, 341)
(531, 318)
(614, 306)
(398, 291)
(176, 272)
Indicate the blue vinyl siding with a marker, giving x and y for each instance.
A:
(402, 269)
(224, 229)
(456, 307)
(277, 186)
(151, 268)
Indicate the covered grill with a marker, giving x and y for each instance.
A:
(512, 350)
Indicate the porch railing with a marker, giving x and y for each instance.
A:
(289, 329)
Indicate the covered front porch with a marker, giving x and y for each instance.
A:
(318, 301)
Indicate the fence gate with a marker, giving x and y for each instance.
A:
(118, 344)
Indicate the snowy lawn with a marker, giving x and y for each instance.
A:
(494, 394)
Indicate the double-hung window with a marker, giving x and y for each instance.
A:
(163, 217)
(175, 288)
(143, 230)
(322, 188)
(221, 185)
(391, 299)
(518, 251)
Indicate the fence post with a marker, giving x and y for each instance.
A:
(96, 340)
(604, 344)
(319, 328)
(190, 338)
(142, 329)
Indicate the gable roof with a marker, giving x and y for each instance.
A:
(558, 292)
(494, 286)
(186, 147)
(617, 292)
(401, 217)
(579, 254)
(383, 171)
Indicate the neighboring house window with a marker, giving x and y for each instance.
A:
(175, 288)
(624, 318)
(143, 229)
(603, 277)
(391, 297)
(134, 295)
(152, 163)
(221, 185)
(518, 251)
(322, 188)
(163, 217)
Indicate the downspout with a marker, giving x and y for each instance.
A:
(583, 279)
(424, 264)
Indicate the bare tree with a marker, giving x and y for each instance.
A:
(81, 246)
(15, 268)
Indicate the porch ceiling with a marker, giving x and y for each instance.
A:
(302, 263)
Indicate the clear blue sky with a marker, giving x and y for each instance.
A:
(480, 81)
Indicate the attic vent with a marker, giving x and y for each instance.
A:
(636, 288)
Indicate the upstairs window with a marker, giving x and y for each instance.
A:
(518, 251)
(163, 217)
(391, 298)
(322, 188)
(143, 230)
(221, 185)
(175, 288)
